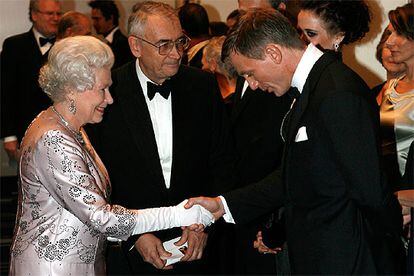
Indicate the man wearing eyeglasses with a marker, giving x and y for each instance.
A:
(21, 59)
(164, 138)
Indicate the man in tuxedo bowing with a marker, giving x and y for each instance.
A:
(164, 138)
(256, 117)
(341, 216)
(21, 59)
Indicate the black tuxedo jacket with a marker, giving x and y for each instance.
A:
(126, 143)
(341, 216)
(120, 48)
(255, 122)
(21, 97)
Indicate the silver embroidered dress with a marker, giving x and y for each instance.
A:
(63, 216)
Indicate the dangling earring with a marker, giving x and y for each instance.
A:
(72, 107)
(336, 47)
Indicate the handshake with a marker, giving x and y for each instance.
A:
(195, 216)
(187, 213)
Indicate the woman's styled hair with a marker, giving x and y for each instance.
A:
(71, 66)
(352, 17)
(402, 20)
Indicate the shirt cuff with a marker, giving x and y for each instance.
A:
(10, 139)
(227, 214)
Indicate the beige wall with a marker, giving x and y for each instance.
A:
(14, 19)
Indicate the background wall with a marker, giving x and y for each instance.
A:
(14, 19)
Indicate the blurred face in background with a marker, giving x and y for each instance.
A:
(101, 25)
(46, 17)
(313, 30)
(393, 68)
(250, 4)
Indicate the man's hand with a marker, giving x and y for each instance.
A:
(196, 243)
(261, 247)
(212, 204)
(11, 149)
(151, 250)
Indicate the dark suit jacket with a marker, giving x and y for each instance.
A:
(126, 143)
(121, 50)
(21, 97)
(341, 216)
(255, 122)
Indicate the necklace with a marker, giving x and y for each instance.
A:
(77, 134)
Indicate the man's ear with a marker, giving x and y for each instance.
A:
(281, 7)
(135, 46)
(274, 53)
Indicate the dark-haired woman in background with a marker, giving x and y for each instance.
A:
(331, 24)
(397, 105)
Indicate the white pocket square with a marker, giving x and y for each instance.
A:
(301, 135)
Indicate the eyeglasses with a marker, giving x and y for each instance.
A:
(166, 46)
(50, 13)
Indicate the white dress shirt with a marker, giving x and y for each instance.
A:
(161, 118)
(306, 63)
(44, 48)
(110, 36)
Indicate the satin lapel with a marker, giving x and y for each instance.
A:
(240, 102)
(308, 89)
(138, 119)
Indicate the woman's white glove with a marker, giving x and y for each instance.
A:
(155, 219)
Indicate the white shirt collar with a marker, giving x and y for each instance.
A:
(38, 35)
(110, 36)
(306, 63)
(143, 79)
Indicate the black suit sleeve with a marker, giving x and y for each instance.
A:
(351, 123)
(255, 200)
(8, 95)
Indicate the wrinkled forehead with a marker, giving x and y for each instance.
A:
(163, 28)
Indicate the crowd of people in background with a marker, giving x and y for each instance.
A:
(181, 107)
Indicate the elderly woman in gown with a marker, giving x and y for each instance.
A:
(64, 216)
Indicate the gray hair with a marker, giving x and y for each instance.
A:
(34, 6)
(71, 66)
(140, 12)
(212, 51)
(256, 29)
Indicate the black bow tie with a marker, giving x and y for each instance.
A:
(294, 93)
(164, 89)
(44, 40)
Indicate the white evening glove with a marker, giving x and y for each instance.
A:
(155, 219)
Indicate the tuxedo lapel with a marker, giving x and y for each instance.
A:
(240, 102)
(138, 120)
(302, 102)
(34, 48)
